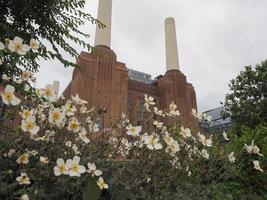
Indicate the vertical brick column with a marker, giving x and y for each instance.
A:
(172, 87)
(102, 81)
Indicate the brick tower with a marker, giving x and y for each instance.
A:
(106, 83)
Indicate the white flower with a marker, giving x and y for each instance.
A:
(253, 149)
(49, 92)
(92, 170)
(185, 132)
(83, 136)
(26, 113)
(17, 80)
(76, 99)
(231, 157)
(73, 125)
(152, 142)
(75, 149)
(27, 88)
(168, 139)
(24, 197)
(148, 179)
(159, 125)
(101, 183)
(26, 75)
(173, 145)
(204, 141)
(33, 153)
(60, 168)
(133, 130)
(5, 77)
(23, 159)
(34, 44)
(196, 114)
(207, 117)
(8, 96)
(248, 148)
(256, 150)
(257, 166)
(158, 112)
(126, 145)
(11, 152)
(16, 45)
(84, 109)
(23, 179)
(1, 62)
(173, 110)
(225, 136)
(29, 125)
(56, 116)
(69, 109)
(44, 159)
(205, 154)
(2, 46)
(75, 169)
(148, 102)
(68, 143)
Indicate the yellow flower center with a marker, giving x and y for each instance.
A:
(18, 46)
(23, 158)
(75, 167)
(48, 92)
(9, 96)
(34, 45)
(74, 125)
(62, 168)
(24, 178)
(30, 125)
(26, 113)
(25, 76)
(56, 116)
(132, 129)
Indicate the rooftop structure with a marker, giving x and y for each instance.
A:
(140, 76)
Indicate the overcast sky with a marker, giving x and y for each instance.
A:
(216, 39)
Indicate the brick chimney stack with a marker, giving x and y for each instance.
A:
(103, 35)
(172, 60)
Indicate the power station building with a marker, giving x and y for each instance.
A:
(105, 82)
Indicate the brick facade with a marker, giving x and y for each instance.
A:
(104, 83)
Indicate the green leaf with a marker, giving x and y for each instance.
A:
(91, 191)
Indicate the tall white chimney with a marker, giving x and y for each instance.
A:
(172, 60)
(103, 35)
(56, 87)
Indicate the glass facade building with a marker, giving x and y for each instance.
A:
(218, 124)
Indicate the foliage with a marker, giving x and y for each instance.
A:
(247, 104)
(244, 183)
(55, 24)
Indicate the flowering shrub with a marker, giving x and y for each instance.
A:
(56, 148)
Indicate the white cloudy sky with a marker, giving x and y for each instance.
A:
(216, 38)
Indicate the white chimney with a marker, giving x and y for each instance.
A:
(56, 87)
(103, 35)
(172, 60)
